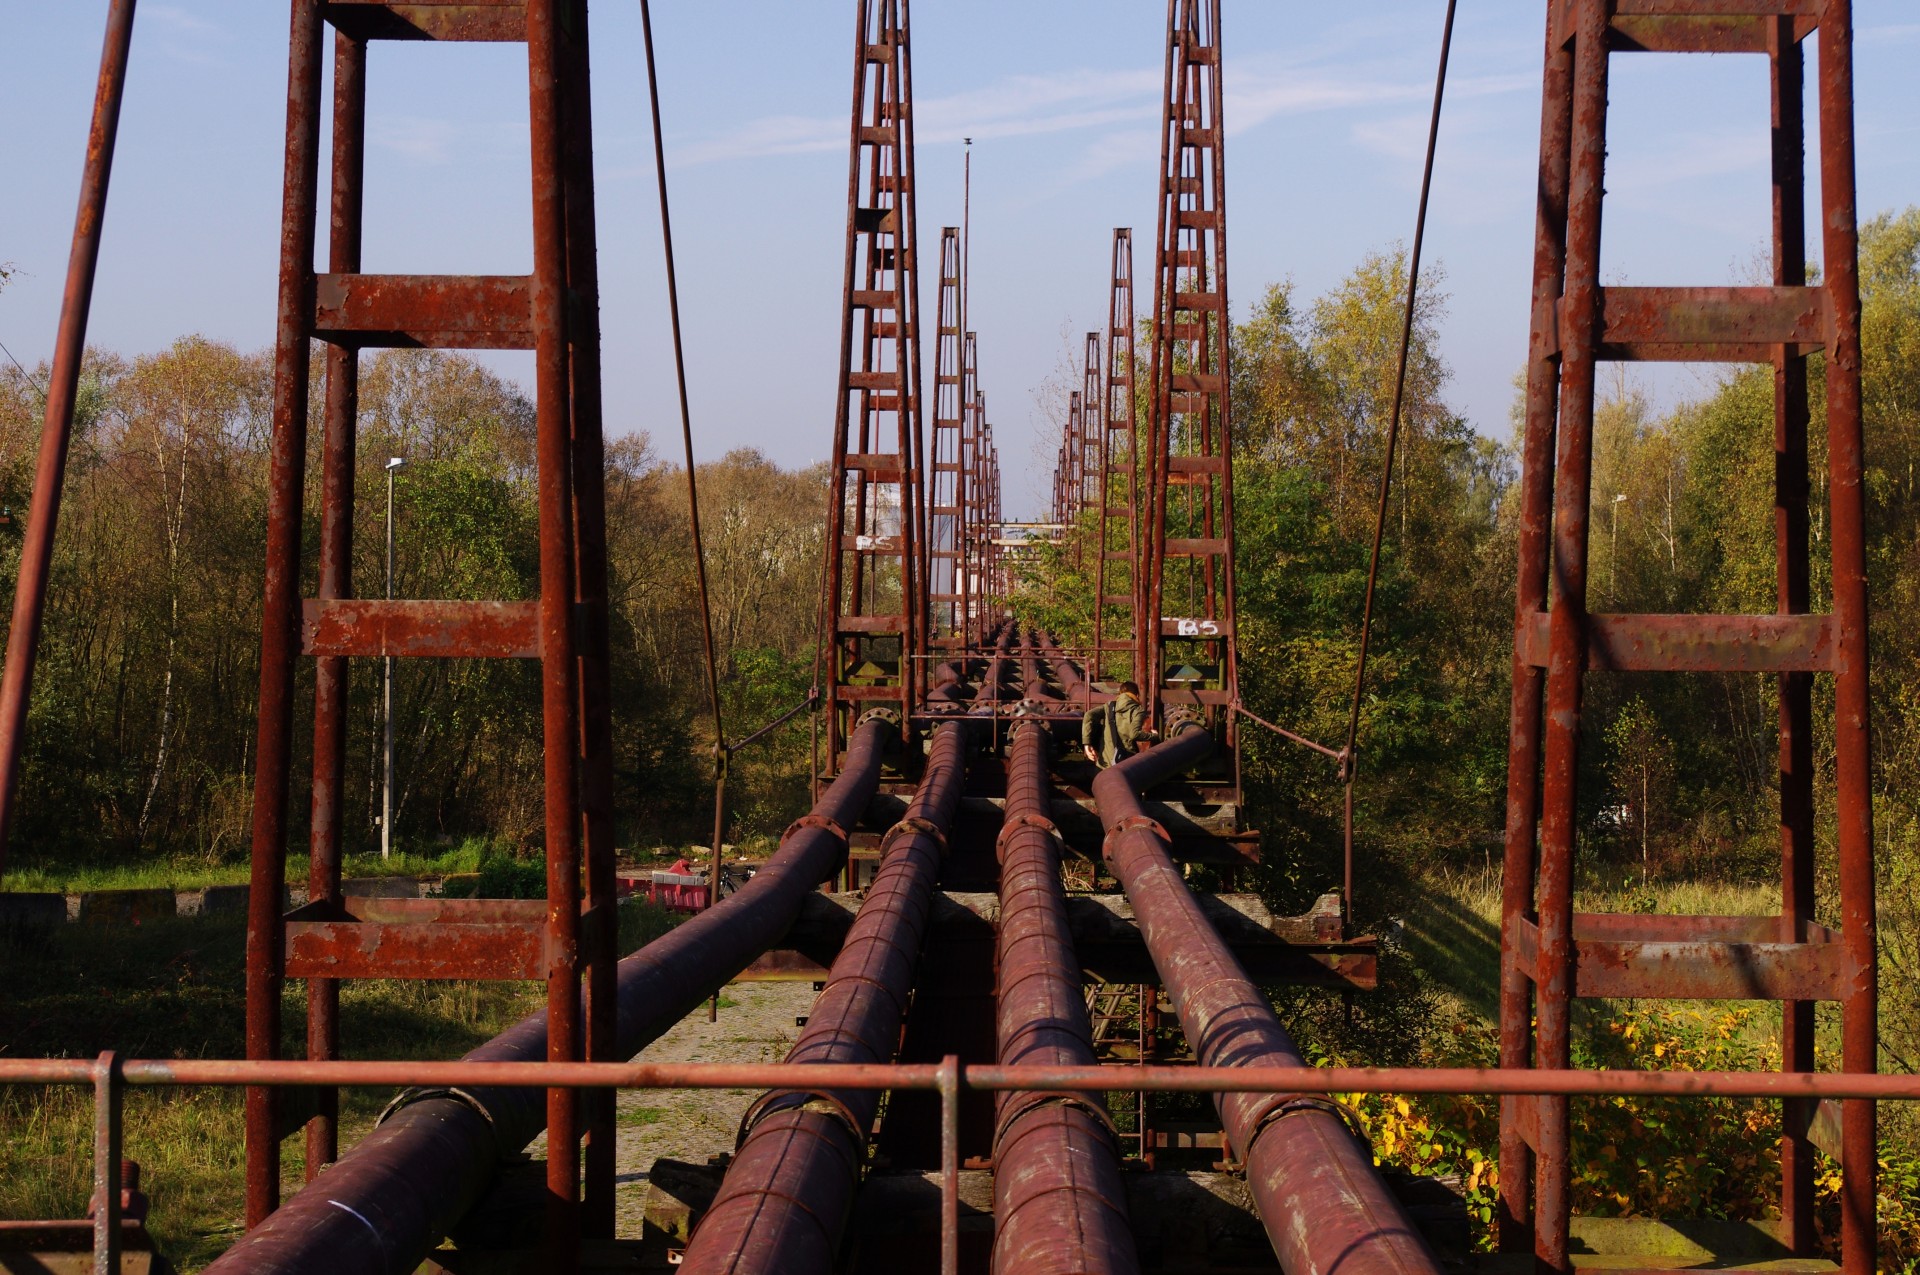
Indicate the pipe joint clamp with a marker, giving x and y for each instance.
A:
(818, 1100)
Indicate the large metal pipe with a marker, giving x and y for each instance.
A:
(1059, 1207)
(784, 1203)
(1034, 686)
(1313, 1183)
(1071, 678)
(405, 1185)
(993, 682)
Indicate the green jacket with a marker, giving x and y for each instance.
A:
(1111, 729)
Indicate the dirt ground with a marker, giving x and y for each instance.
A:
(755, 1025)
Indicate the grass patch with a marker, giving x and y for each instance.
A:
(642, 1115)
(174, 989)
(28, 873)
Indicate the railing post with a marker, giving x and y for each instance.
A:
(950, 1165)
(106, 1164)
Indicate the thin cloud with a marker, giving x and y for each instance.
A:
(188, 37)
(428, 141)
(1015, 106)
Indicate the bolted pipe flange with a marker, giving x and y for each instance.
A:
(1181, 719)
(1014, 824)
(910, 826)
(887, 715)
(818, 821)
(1130, 824)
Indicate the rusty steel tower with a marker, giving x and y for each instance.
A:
(1189, 622)
(946, 536)
(1551, 955)
(875, 594)
(553, 313)
(1117, 638)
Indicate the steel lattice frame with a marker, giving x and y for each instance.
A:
(1092, 431)
(1550, 955)
(1189, 622)
(550, 312)
(877, 603)
(945, 535)
(972, 405)
(1118, 534)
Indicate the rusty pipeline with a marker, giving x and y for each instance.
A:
(1313, 1183)
(993, 688)
(1034, 685)
(1058, 1202)
(787, 1194)
(407, 1183)
(1072, 679)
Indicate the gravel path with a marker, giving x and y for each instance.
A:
(756, 1025)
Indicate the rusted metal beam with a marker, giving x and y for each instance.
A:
(420, 628)
(789, 1189)
(1303, 1161)
(1058, 1201)
(404, 1186)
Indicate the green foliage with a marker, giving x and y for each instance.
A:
(1652, 1157)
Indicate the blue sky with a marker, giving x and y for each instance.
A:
(1326, 112)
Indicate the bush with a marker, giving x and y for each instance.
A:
(1656, 1157)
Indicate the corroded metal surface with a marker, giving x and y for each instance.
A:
(405, 1184)
(1324, 1206)
(787, 1194)
(1058, 1201)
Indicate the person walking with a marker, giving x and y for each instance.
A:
(1113, 730)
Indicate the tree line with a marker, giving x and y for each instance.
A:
(142, 718)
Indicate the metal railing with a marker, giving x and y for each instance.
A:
(110, 1076)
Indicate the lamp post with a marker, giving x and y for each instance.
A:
(1613, 549)
(394, 463)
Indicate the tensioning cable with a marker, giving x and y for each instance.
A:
(1351, 764)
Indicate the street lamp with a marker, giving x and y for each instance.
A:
(394, 463)
(1613, 550)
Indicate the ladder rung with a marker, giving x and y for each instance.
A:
(1200, 382)
(439, 312)
(495, 21)
(850, 625)
(1664, 26)
(420, 938)
(1696, 643)
(1195, 302)
(873, 380)
(1179, 627)
(1196, 464)
(420, 628)
(1734, 325)
(1191, 136)
(879, 467)
(884, 299)
(870, 544)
